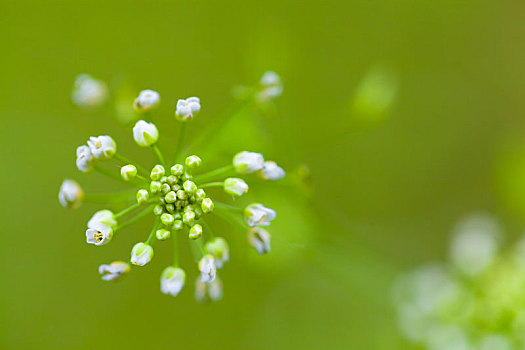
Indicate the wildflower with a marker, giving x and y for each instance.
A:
(207, 268)
(189, 187)
(128, 172)
(102, 147)
(167, 219)
(142, 196)
(258, 215)
(187, 109)
(105, 217)
(207, 205)
(195, 232)
(193, 162)
(177, 169)
(248, 162)
(70, 194)
(145, 134)
(172, 280)
(146, 101)
(235, 186)
(259, 238)
(220, 250)
(113, 271)
(141, 254)
(162, 234)
(99, 234)
(89, 92)
(212, 291)
(85, 159)
(271, 87)
(271, 171)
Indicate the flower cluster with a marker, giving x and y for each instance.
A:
(175, 195)
(475, 302)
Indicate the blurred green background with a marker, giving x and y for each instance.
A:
(408, 115)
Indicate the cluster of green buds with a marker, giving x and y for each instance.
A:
(175, 196)
(474, 302)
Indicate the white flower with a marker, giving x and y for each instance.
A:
(85, 159)
(89, 92)
(258, 215)
(172, 280)
(147, 100)
(248, 162)
(207, 268)
(70, 194)
(145, 134)
(271, 87)
(113, 271)
(99, 234)
(102, 147)
(259, 238)
(235, 186)
(104, 217)
(187, 109)
(220, 250)
(141, 254)
(271, 171)
(212, 291)
(128, 172)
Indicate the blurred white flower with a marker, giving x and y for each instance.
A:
(212, 291)
(258, 215)
(248, 162)
(172, 280)
(89, 92)
(235, 186)
(85, 159)
(271, 171)
(187, 109)
(207, 268)
(259, 238)
(102, 147)
(113, 271)
(271, 87)
(146, 101)
(145, 134)
(218, 247)
(141, 254)
(70, 194)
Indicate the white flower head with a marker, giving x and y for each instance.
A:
(220, 250)
(113, 271)
(212, 291)
(99, 234)
(271, 87)
(85, 159)
(89, 92)
(146, 101)
(258, 215)
(172, 280)
(271, 171)
(187, 109)
(102, 147)
(248, 162)
(207, 268)
(145, 134)
(70, 194)
(259, 238)
(141, 254)
(104, 217)
(128, 172)
(235, 186)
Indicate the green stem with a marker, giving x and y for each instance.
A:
(199, 244)
(127, 210)
(127, 161)
(231, 218)
(175, 249)
(110, 174)
(227, 206)
(135, 219)
(159, 155)
(214, 173)
(123, 196)
(207, 228)
(182, 133)
(212, 184)
(141, 178)
(152, 236)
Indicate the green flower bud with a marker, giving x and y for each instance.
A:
(195, 232)
(189, 186)
(167, 219)
(178, 225)
(165, 188)
(172, 180)
(162, 234)
(175, 187)
(198, 212)
(158, 210)
(142, 196)
(170, 208)
(189, 208)
(188, 217)
(164, 179)
(182, 195)
(171, 197)
(179, 204)
(207, 205)
(157, 172)
(128, 172)
(177, 169)
(200, 194)
(154, 187)
(186, 176)
(193, 162)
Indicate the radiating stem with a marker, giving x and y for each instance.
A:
(159, 154)
(152, 236)
(113, 197)
(135, 219)
(207, 228)
(110, 174)
(126, 161)
(127, 210)
(214, 173)
(227, 206)
(212, 184)
(175, 249)
(231, 218)
(182, 133)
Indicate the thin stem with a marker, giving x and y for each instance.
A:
(231, 218)
(175, 249)
(135, 219)
(127, 210)
(212, 184)
(127, 161)
(199, 244)
(110, 174)
(227, 206)
(182, 133)
(141, 178)
(113, 197)
(214, 173)
(159, 154)
(207, 228)
(152, 236)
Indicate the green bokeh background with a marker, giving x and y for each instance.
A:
(388, 187)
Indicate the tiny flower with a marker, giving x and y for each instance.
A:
(193, 162)
(162, 234)
(70, 194)
(207, 205)
(158, 210)
(177, 225)
(259, 238)
(89, 92)
(167, 219)
(172, 280)
(200, 194)
(157, 172)
(99, 234)
(147, 100)
(177, 169)
(113, 271)
(187, 108)
(102, 147)
(154, 187)
(189, 186)
(128, 172)
(271, 87)
(182, 195)
(257, 214)
(271, 171)
(207, 268)
(145, 134)
(172, 180)
(186, 176)
(188, 217)
(104, 217)
(141, 254)
(170, 208)
(165, 188)
(195, 232)
(142, 196)
(212, 291)
(171, 197)
(248, 162)
(235, 186)
(220, 250)
(85, 159)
